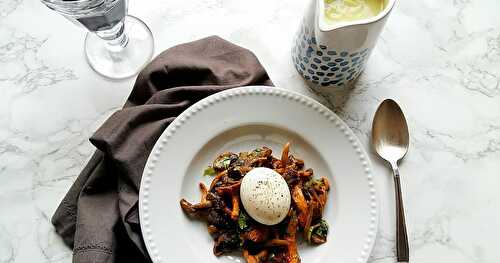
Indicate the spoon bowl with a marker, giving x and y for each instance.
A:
(390, 136)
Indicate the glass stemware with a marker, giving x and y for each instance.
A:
(117, 45)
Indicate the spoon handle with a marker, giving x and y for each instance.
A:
(402, 250)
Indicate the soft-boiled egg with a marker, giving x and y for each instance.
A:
(265, 195)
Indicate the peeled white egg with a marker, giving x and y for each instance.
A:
(265, 196)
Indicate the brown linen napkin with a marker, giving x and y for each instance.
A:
(99, 216)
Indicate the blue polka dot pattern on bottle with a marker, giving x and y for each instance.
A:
(324, 65)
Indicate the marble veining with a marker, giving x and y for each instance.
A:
(439, 59)
(23, 66)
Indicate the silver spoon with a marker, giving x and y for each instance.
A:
(391, 140)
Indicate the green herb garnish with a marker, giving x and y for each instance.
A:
(243, 220)
(313, 183)
(255, 153)
(210, 171)
(320, 230)
(224, 162)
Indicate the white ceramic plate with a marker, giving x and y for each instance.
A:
(240, 120)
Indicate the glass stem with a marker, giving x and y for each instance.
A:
(115, 37)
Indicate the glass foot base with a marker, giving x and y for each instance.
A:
(119, 62)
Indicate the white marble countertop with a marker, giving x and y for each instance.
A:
(439, 59)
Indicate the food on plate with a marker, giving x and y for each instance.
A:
(259, 205)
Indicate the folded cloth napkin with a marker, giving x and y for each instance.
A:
(99, 216)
